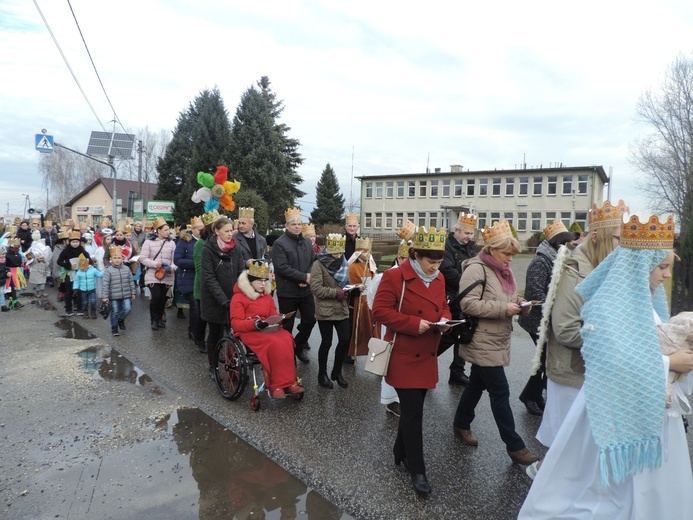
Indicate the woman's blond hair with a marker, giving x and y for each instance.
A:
(509, 245)
(600, 248)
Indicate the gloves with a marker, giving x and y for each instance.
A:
(342, 295)
(261, 325)
(166, 266)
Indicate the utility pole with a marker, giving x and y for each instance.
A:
(139, 169)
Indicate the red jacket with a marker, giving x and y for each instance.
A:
(414, 360)
(245, 311)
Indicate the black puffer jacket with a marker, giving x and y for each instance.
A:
(455, 254)
(293, 257)
(219, 274)
(538, 278)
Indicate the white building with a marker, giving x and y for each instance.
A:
(527, 198)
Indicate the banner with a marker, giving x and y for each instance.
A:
(89, 210)
(160, 208)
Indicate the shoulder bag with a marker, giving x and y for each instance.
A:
(379, 350)
(465, 331)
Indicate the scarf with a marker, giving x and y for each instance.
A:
(504, 274)
(337, 267)
(226, 246)
(426, 278)
(625, 383)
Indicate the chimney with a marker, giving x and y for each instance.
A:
(456, 168)
(437, 170)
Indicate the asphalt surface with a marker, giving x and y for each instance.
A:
(338, 442)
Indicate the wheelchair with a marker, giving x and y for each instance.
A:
(234, 361)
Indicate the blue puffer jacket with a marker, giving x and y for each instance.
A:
(86, 280)
(183, 258)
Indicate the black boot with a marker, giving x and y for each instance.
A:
(324, 381)
(337, 376)
(155, 326)
(420, 484)
(121, 324)
(114, 331)
(302, 356)
(161, 324)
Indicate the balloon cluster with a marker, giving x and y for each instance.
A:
(217, 190)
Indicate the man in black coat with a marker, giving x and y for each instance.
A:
(292, 257)
(252, 244)
(458, 248)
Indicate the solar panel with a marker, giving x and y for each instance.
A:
(106, 144)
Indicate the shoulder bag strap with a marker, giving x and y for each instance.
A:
(464, 293)
(399, 309)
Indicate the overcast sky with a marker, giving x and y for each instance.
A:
(483, 86)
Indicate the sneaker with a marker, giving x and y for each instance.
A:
(4, 308)
(532, 470)
(121, 324)
(393, 408)
(114, 331)
(278, 393)
(69, 313)
(80, 313)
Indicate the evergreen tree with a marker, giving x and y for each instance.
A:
(329, 206)
(249, 198)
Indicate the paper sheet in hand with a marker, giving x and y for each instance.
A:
(533, 303)
(350, 287)
(273, 320)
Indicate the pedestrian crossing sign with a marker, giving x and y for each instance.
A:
(44, 143)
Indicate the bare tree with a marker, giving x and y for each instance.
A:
(153, 147)
(665, 156)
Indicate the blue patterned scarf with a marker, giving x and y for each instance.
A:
(337, 267)
(625, 384)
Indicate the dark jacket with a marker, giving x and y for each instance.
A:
(455, 254)
(537, 279)
(349, 244)
(71, 252)
(260, 246)
(13, 259)
(183, 258)
(24, 235)
(3, 274)
(219, 274)
(293, 257)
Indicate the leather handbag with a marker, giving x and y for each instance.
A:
(379, 350)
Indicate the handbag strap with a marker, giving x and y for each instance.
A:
(399, 309)
(163, 242)
(464, 293)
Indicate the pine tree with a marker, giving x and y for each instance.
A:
(249, 198)
(329, 206)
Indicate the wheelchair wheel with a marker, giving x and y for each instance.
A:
(231, 371)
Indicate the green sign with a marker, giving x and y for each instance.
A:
(137, 210)
(160, 208)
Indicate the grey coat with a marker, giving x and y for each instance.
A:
(219, 274)
(325, 289)
(117, 283)
(260, 245)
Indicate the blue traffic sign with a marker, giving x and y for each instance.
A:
(44, 143)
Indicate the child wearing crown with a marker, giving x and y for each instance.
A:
(118, 288)
(252, 303)
(362, 269)
(85, 283)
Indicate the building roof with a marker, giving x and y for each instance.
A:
(122, 186)
(544, 171)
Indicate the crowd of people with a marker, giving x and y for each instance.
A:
(599, 382)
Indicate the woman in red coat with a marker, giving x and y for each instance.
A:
(252, 303)
(413, 368)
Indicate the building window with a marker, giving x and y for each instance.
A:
(581, 219)
(458, 187)
(369, 220)
(378, 221)
(470, 187)
(567, 184)
(524, 186)
(565, 218)
(483, 187)
(434, 189)
(400, 189)
(433, 220)
(481, 220)
(552, 185)
(411, 192)
(446, 188)
(509, 217)
(582, 185)
(496, 187)
(422, 189)
(495, 217)
(400, 220)
(537, 183)
(388, 220)
(422, 219)
(369, 190)
(510, 187)
(389, 189)
(536, 221)
(522, 221)
(550, 217)
(132, 197)
(378, 190)
(410, 218)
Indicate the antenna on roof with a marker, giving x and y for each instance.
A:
(428, 158)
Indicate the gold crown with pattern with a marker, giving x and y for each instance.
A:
(496, 233)
(308, 229)
(14, 242)
(82, 261)
(554, 229)
(159, 222)
(211, 217)
(351, 218)
(196, 221)
(467, 220)
(363, 243)
(292, 214)
(11, 229)
(406, 232)
(246, 213)
(607, 216)
(62, 235)
(430, 240)
(115, 250)
(259, 269)
(128, 228)
(649, 235)
(403, 250)
(75, 235)
(335, 243)
(105, 222)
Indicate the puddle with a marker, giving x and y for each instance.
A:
(73, 330)
(107, 364)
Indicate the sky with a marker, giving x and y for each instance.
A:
(370, 87)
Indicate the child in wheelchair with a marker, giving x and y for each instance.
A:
(251, 305)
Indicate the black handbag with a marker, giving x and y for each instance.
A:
(465, 331)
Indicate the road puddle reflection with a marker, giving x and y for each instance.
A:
(73, 330)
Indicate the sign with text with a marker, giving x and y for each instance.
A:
(160, 208)
(89, 210)
(138, 210)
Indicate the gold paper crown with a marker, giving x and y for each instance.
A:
(82, 260)
(352, 218)
(128, 228)
(63, 235)
(308, 229)
(105, 222)
(120, 226)
(196, 221)
(335, 243)
(292, 214)
(403, 250)
(36, 220)
(406, 232)
(159, 222)
(554, 229)
(14, 242)
(431, 240)
(246, 212)
(650, 235)
(147, 224)
(11, 229)
(259, 269)
(496, 233)
(210, 217)
(75, 235)
(467, 219)
(129, 221)
(115, 250)
(363, 244)
(607, 216)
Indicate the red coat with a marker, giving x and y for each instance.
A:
(414, 360)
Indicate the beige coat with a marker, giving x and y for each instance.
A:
(490, 346)
(325, 289)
